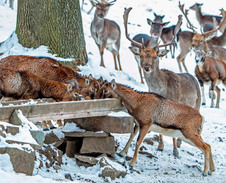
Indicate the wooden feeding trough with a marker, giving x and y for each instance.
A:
(91, 115)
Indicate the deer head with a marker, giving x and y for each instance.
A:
(199, 41)
(156, 27)
(102, 7)
(149, 56)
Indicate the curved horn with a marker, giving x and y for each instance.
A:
(125, 18)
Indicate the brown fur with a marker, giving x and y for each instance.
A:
(26, 85)
(212, 70)
(44, 67)
(106, 33)
(149, 109)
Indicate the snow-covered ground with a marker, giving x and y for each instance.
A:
(163, 167)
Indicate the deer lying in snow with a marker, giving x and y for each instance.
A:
(26, 85)
(155, 113)
(181, 88)
(210, 69)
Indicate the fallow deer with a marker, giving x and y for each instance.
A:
(149, 41)
(164, 82)
(211, 70)
(45, 67)
(26, 85)
(155, 113)
(204, 19)
(106, 33)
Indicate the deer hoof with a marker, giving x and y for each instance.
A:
(159, 149)
(130, 167)
(204, 103)
(45, 129)
(175, 153)
(121, 155)
(52, 127)
(204, 174)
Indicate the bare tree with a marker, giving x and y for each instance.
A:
(54, 23)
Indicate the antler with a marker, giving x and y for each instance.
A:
(125, 18)
(112, 2)
(185, 13)
(176, 30)
(221, 27)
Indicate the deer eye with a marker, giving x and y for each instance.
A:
(201, 41)
(106, 91)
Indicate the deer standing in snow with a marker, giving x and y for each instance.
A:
(181, 88)
(106, 33)
(211, 70)
(149, 41)
(155, 113)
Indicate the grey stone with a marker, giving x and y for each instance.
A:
(22, 161)
(51, 138)
(38, 135)
(13, 130)
(98, 145)
(14, 119)
(108, 170)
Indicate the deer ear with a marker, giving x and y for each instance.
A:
(74, 83)
(165, 24)
(207, 38)
(69, 88)
(162, 53)
(87, 82)
(149, 21)
(90, 76)
(113, 84)
(163, 16)
(134, 50)
(155, 14)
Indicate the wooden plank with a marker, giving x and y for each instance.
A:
(26, 102)
(64, 110)
(85, 134)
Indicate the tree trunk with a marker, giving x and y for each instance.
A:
(53, 23)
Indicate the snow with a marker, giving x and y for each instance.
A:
(163, 167)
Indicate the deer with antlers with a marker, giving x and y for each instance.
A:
(149, 41)
(188, 39)
(153, 112)
(181, 88)
(106, 33)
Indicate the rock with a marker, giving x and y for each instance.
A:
(14, 118)
(56, 167)
(51, 138)
(22, 160)
(52, 154)
(111, 169)
(38, 135)
(149, 141)
(98, 145)
(68, 176)
(86, 159)
(12, 130)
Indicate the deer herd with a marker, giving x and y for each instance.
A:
(171, 105)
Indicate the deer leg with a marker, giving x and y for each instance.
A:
(132, 135)
(119, 62)
(184, 64)
(206, 149)
(44, 126)
(141, 75)
(218, 96)
(203, 94)
(179, 62)
(51, 126)
(114, 56)
(173, 51)
(175, 151)
(179, 142)
(143, 131)
(101, 49)
(212, 88)
(161, 145)
(59, 123)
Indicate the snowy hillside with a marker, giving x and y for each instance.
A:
(162, 167)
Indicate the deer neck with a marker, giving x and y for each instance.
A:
(98, 23)
(128, 96)
(155, 81)
(199, 15)
(152, 42)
